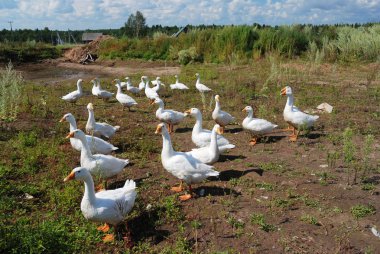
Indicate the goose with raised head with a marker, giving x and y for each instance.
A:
(177, 85)
(256, 126)
(169, 116)
(96, 128)
(182, 165)
(202, 137)
(201, 87)
(294, 116)
(107, 206)
(124, 99)
(100, 165)
(75, 95)
(131, 88)
(142, 83)
(208, 154)
(157, 84)
(101, 93)
(149, 92)
(221, 117)
(97, 145)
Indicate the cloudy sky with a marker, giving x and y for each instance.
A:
(92, 14)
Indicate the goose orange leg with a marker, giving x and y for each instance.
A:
(186, 196)
(253, 141)
(105, 228)
(177, 188)
(294, 135)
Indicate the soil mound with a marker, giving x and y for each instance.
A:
(88, 52)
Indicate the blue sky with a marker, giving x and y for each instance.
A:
(93, 14)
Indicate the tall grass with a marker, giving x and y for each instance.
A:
(10, 90)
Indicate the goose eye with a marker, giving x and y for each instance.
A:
(79, 171)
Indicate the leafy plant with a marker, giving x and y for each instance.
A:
(360, 211)
(259, 219)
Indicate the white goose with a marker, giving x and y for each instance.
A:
(107, 206)
(221, 117)
(131, 88)
(97, 145)
(201, 87)
(124, 99)
(157, 84)
(96, 128)
(208, 154)
(142, 83)
(101, 165)
(177, 85)
(202, 137)
(101, 93)
(168, 116)
(256, 126)
(95, 88)
(149, 92)
(75, 95)
(295, 117)
(181, 165)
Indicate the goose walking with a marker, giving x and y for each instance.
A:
(295, 117)
(96, 128)
(256, 126)
(75, 95)
(149, 92)
(182, 165)
(169, 116)
(99, 92)
(131, 88)
(107, 206)
(97, 145)
(157, 84)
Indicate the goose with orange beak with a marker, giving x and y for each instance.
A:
(149, 92)
(96, 128)
(124, 99)
(75, 95)
(202, 137)
(182, 165)
(295, 117)
(169, 116)
(256, 126)
(109, 207)
(221, 117)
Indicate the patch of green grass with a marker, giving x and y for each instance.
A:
(259, 219)
(265, 186)
(283, 203)
(310, 219)
(360, 211)
(368, 186)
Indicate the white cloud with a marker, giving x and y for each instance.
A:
(82, 14)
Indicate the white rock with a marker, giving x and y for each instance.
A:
(325, 107)
(375, 232)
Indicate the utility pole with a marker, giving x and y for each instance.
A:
(10, 23)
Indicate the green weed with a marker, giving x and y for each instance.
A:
(360, 211)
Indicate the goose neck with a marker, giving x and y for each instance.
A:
(167, 147)
(85, 151)
(289, 101)
(89, 191)
(198, 123)
(73, 124)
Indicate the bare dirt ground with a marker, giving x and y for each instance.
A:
(275, 197)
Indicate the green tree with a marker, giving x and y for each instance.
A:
(135, 25)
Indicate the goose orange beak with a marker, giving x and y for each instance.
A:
(152, 102)
(158, 129)
(243, 110)
(283, 91)
(62, 119)
(71, 176)
(218, 130)
(187, 112)
(70, 135)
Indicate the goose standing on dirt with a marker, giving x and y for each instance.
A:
(96, 128)
(107, 206)
(97, 145)
(208, 154)
(256, 126)
(177, 85)
(124, 99)
(202, 137)
(168, 116)
(95, 89)
(221, 117)
(100, 165)
(182, 165)
(75, 95)
(101, 93)
(201, 87)
(142, 83)
(157, 85)
(295, 117)
(131, 88)
(149, 92)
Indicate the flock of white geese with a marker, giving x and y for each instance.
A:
(111, 206)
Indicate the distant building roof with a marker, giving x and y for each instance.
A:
(90, 36)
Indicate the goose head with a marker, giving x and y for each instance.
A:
(192, 112)
(156, 101)
(247, 109)
(117, 81)
(76, 134)
(67, 117)
(217, 98)
(160, 128)
(127, 78)
(176, 76)
(90, 106)
(287, 90)
(217, 129)
(78, 173)
(197, 75)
